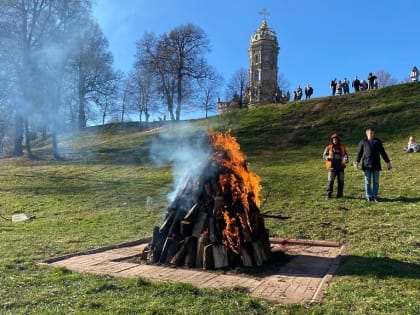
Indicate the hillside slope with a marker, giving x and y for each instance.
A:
(394, 111)
(107, 190)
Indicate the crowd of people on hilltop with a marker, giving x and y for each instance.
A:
(342, 87)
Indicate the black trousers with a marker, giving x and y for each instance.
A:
(332, 175)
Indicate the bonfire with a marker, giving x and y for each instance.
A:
(214, 221)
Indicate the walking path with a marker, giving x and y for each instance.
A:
(302, 279)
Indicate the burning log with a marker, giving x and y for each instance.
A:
(214, 221)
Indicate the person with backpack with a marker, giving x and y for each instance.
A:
(336, 159)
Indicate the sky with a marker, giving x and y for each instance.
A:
(319, 39)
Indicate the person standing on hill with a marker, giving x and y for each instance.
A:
(336, 160)
(333, 85)
(414, 74)
(370, 151)
(356, 84)
(371, 79)
(346, 86)
(308, 91)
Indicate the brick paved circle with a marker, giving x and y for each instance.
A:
(302, 279)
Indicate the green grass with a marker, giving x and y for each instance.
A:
(106, 190)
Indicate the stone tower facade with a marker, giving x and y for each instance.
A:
(263, 53)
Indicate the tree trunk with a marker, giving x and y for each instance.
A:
(18, 149)
(82, 114)
(28, 138)
(54, 145)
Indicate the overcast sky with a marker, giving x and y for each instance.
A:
(319, 39)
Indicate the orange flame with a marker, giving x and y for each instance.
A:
(231, 237)
(244, 184)
(237, 184)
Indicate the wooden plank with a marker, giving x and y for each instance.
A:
(181, 253)
(199, 223)
(246, 258)
(256, 253)
(208, 262)
(167, 247)
(186, 228)
(190, 214)
(220, 257)
(212, 235)
(202, 242)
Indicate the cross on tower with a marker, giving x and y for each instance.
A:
(264, 13)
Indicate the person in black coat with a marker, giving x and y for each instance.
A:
(369, 152)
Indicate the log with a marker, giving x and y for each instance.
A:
(155, 236)
(181, 253)
(258, 254)
(244, 229)
(191, 253)
(202, 242)
(199, 223)
(164, 228)
(208, 262)
(210, 224)
(166, 250)
(186, 228)
(272, 216)
(218, 203)
(190, 214)
(220, 256)
(246, 258)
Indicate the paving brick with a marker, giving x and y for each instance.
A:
(300, 280)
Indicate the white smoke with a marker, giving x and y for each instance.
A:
(186, 148)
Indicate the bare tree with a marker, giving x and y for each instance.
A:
(237, 85)
(283, 83)
(176, 59)
(385, 78)
(28, 28)
(150, 56)
(209, 91)
(92, 69)
(144, 83)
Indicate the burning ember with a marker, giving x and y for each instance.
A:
(214, 221)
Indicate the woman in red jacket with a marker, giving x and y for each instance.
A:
(336, 159)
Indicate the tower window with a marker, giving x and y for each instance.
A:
(256, 75)
(257, 58)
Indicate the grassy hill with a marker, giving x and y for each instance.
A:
(107, 190)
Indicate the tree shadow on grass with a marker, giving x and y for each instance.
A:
(381, 267)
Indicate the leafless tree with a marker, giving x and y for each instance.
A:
(385, 78)
(237, 85)
(143, 91)
(283, 83)
(176, 59)
(92, 69)
(208, 91)
(27, 29)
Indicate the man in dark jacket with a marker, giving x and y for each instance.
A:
(370, 151)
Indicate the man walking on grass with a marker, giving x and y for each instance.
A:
(370, 151)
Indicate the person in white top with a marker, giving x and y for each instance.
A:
(414, 75)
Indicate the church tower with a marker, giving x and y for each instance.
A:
(263, 52)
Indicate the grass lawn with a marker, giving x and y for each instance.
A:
(106, 190)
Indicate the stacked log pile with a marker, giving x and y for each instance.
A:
(215, 221)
